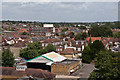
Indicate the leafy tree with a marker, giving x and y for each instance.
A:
(7, 58)
(71, 34)
(96, 47)
(32, 50)
(36, 45)
(24, 33)
(108, 66)
(100, 31)
(50, 48)
(90, 51)
(63, 35)
(43, 51)
(57, 34)
(86, 55)
(94, 31)
(28, 53)
(64, 30)
(105, 31)
(81, 36)
(116, 34)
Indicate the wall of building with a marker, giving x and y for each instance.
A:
(62, 69)
(16, 51)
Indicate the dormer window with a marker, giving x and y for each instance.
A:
(21, 68)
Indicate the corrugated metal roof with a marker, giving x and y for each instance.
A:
(48, 57)
(55, 57)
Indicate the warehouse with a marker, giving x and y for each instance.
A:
(45, 61)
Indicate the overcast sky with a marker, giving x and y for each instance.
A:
(60, 11)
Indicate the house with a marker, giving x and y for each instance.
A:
(59, 48)
(111, 43)
(12, 72)
(46, 30)
(53, 41)
(70, 53)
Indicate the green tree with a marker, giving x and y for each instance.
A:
(50, 48)
(64, 30)
(7, 58)
(32, 50)
(100, 31)
(116, 34)
(94, 31)
(86, 55)
(24, 33)
(28, 53)
(96, 47)
(90, 51)
(63, 35)
(108, 66)
(81, 36)
(71, 34)
(57, 34)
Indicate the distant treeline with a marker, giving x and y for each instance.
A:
(115, 24)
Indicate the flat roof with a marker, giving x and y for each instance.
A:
(66, 62)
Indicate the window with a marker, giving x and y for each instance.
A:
(77, 42)
(78, 49)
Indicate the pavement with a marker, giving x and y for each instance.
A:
(84, 72)
(66, 77)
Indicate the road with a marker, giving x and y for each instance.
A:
(84, 72)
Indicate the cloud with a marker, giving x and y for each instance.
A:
(60, 11)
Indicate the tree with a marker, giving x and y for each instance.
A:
(64, 30)
(94, 31)
(57, 34)
(90, 51)
(96, 47)
(28, 53)
(63, 35)
(50, 48)
(100, 31)
(116, 34)
(32, 50)
(81, 36)
(71, 34)
(86, 55)
(24, 33)
(7, 58)
(108, 66)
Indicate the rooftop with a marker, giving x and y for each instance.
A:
(39, 73)
(67, 62)
(47, 58)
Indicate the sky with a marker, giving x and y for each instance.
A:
(60, 11)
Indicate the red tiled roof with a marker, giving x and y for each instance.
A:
(20, 44)
(93, 38)
(15, 35)
(69, 51)
(51, 40)
(39, 73)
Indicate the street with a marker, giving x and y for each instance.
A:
(84, 72)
